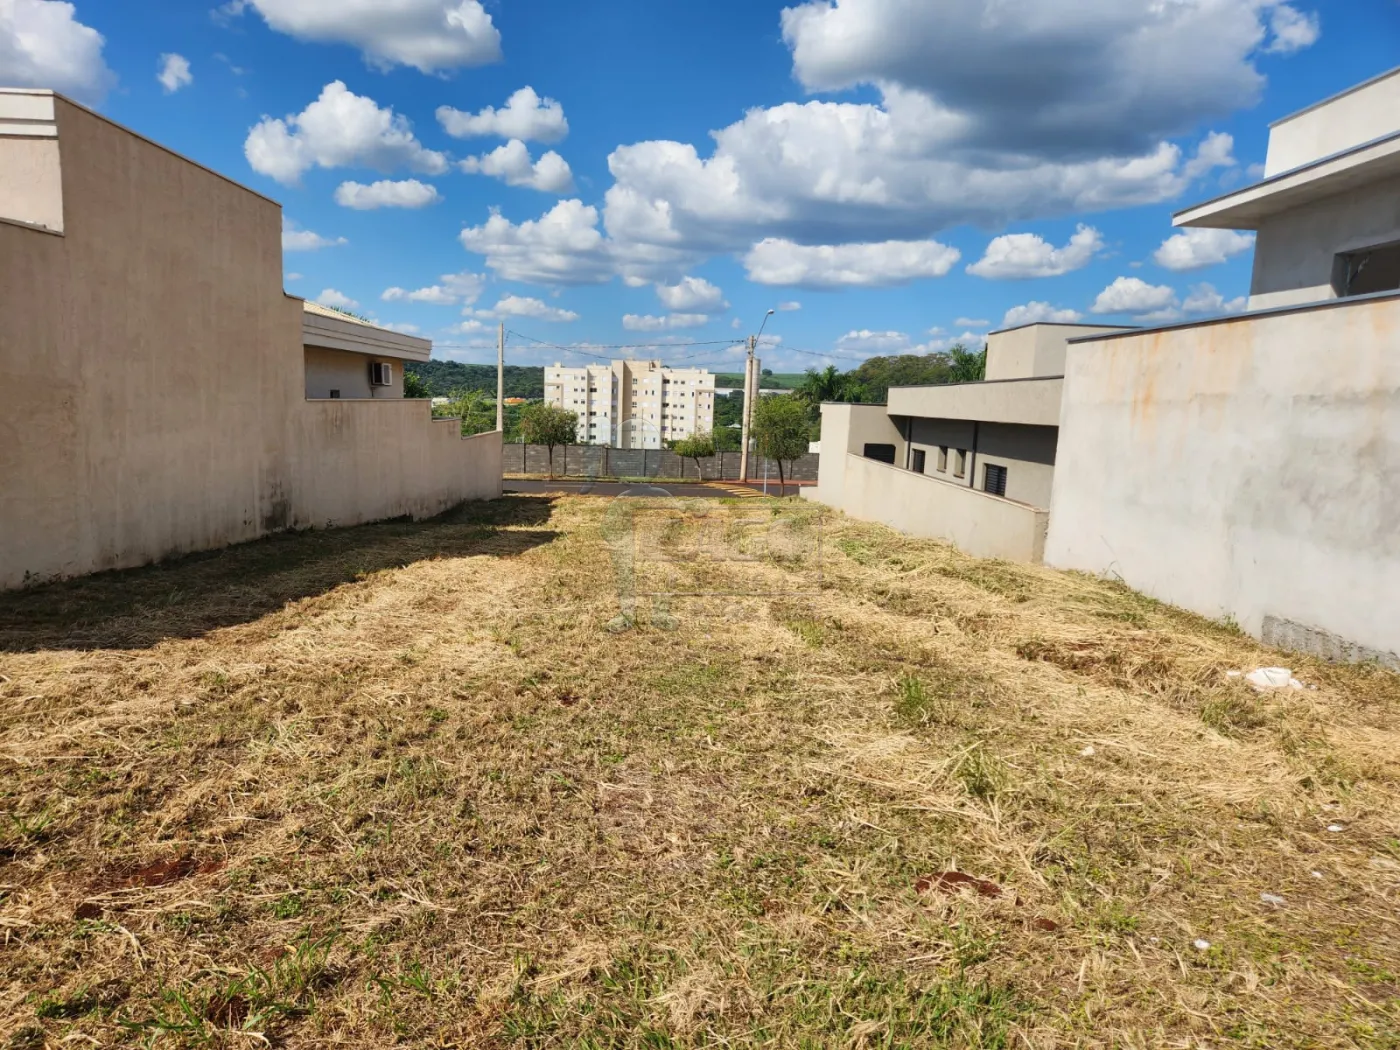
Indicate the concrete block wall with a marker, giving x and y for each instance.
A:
(601, 461)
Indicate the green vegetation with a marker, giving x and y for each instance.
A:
(445, 377)
(769, 380)
(548, 425)
(697, 447)
(781, 430)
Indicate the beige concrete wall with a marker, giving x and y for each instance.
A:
(1035, 350)
(849, 428)
(1248, 468)
(1296, 250)
(155, 378)
(328, 370)
(1357, 117)
(981, 525)
(1034, 402)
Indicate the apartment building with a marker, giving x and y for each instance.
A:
(633, 404)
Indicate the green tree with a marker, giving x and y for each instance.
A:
(781, 431)
(548, 425)
(966, 366)
(727, 439)
(474, 408)
(878, 374)
(697, 447)
(416, 386)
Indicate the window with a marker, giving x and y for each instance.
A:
(917, 466)
(335, 394)
(880, 453)
(960, 463)
(994, 479)
(1371, 270)
(943, 460)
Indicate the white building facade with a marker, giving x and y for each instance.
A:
(633, 404)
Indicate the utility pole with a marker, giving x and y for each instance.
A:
(501, 380)
(751, 379)
(748, 413)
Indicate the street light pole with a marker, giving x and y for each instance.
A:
(751, 377)
(501, 380)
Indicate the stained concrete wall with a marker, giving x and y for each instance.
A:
(979, 524)
(1033, 350)
(1295, 254)
(1246, 468)
(154, 394)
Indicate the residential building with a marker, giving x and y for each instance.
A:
(162, 393)
(972, 463)
(634, 404)
(1248, 467)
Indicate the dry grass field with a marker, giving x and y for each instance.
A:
(412, 785)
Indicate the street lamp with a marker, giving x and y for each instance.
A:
(750, 392)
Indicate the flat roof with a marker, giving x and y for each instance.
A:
(1339, 95)
(1243, 209)
(1054, 324)
(326, 327)
(1248, 315)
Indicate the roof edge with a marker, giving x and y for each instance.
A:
(1339, 95)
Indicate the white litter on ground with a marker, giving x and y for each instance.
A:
(1264, 678)
(1274, 899)
(1088, 752)
(1201, 945)
(1334, 828)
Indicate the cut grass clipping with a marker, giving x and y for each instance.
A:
(434, 784)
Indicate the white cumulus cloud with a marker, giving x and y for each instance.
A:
(453, 288)
(1195, 249)
(1292, 30)
(522, 306)
(511, 164)
(429, 35)
(43, 45)
(1023, 255)
(339, 300)
(651, 323)
(173, 72)
(525, 116)
(693, 294)
(1133, 295)
(1039, 313)
(781, 262)
(409, 193)
(340, 129)
(1204, 299)
(972, 322)
(789, 307)
(295, 239)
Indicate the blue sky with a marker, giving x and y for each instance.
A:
(894, 174)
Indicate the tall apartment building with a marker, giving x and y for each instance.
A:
(633, 404)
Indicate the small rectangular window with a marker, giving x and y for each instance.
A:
(919, 458)
(994, 480)
(335, 394)
(960, 463)
(880, 452)
(943, 460)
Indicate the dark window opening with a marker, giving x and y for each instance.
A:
(943, 460)
(1369, 271)
(335, 394)
(960, 464)
(994, 481)
(919, 459)
(881, 453)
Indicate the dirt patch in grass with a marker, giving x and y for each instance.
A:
(403, 785)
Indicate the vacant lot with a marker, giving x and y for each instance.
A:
(402, 785)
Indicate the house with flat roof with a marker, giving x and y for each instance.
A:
(1327, 211)
(972, 463)
(162, 393)
(1248, 467)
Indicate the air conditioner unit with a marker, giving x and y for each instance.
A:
(381, 374)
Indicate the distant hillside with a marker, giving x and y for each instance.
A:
(444, 377)
(777, 381)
